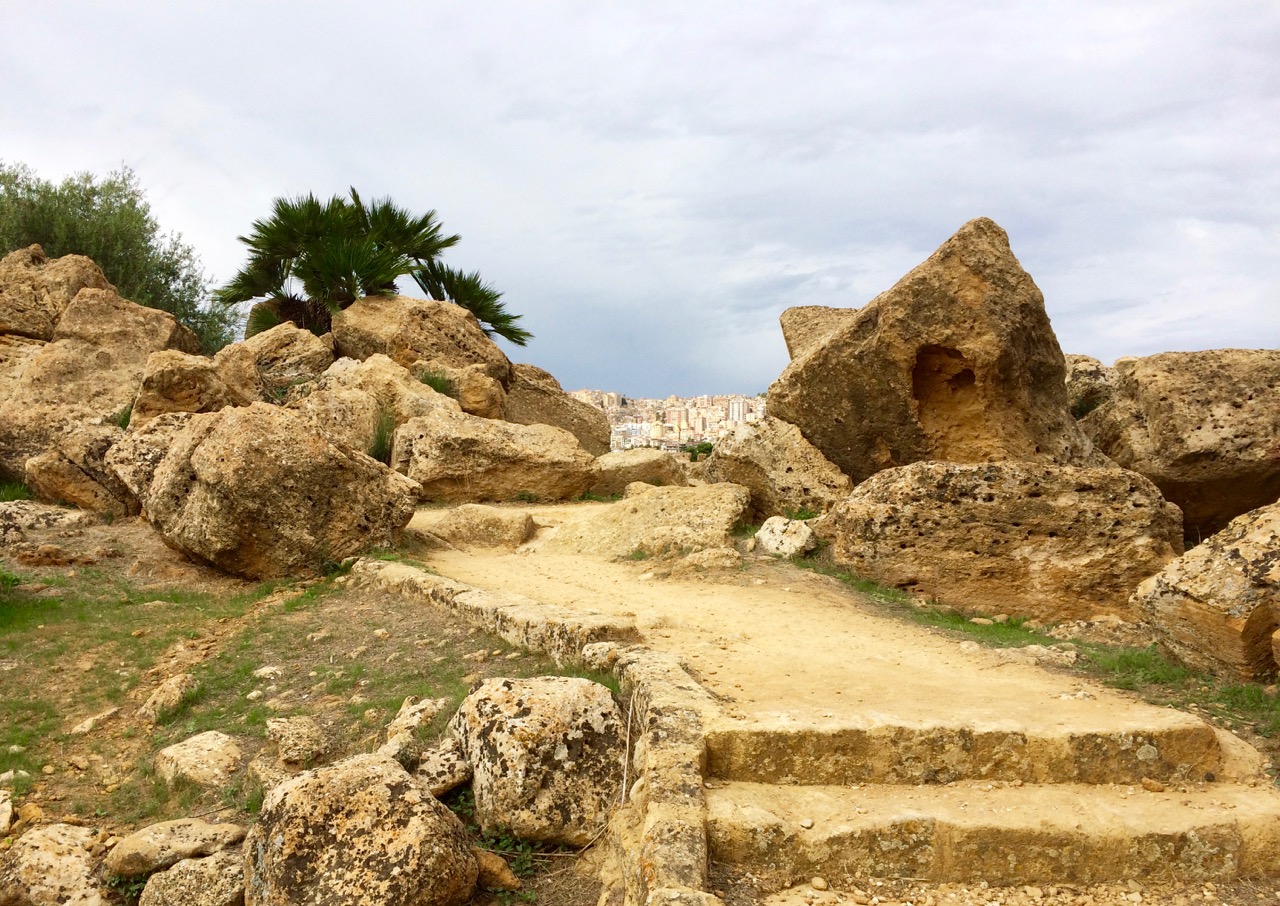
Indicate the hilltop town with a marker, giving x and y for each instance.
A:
(674, 422)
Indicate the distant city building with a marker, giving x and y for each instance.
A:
(669, 423)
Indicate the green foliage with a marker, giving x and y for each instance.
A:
(8, 580)
(1133, 668)
(527, 497)
(638, 554)
(127, 889)
(122, 418)
(311, 259)
(1083, 405)
(802, 513)
(384, 435)
(14, 490)
(437, 382)
(109, 220)
(697, 451)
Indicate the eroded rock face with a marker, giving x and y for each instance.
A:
(785, 537)
(134, 458)
(546, 755)
(956, 362)
(161, 845)
(806, 326)
(1204, 426)
(51, 864)
(477, 525)
(1217, 607)
(207, 759)
(619, 469)
(287, 356)
(536, 398)
(35, 290)
(1051, 542)
(1089, 384)
(659, 521)
(16, 354)
(75, 471)
(459, 458)
(473, 388)
(214, 881)
(256, 491)
(178, 382)
(359, 831)
(784, 472)
(410, 330)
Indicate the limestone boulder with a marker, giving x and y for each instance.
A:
(401, 739)
(258, 492)
(75, 471)
(179, 382)
(474, 389)
(358, 831)
(957, 362)
(51, 864)
(658, 521)
(785, 473)
(411, 330)
(1217, 607)
(16, 354)
(214, 881)
(167, 697)
(536, 398)
(477, 525)
(806, 326)
(299, 740)
(158, 846)
(1050, 542)
(35, 290)
(1089, 384)
(785, 537)
(18, 517)
(90, 373)
(443, 767)
(207, 759)
(134, 458)
(547, 756)
(287, 356)
(621, 468)
(459, 458)
(1204, 426)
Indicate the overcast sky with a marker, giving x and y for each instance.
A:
(652, 183)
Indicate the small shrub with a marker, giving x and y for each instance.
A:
(383, 437)
(801, 514)
(14, 490)
(437, 381)
(527, 497)
(122, 418)
(1085, 403)
(638, 554)
(127, 889)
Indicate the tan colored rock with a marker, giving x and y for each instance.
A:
(1050, 542)
(621, 468)
(158, 846)
(167, 697)
(402, 743)
(256, 491)
(17, 517)
(494, 872)
(443, 767)
(411, 330)
(460, 458)
(16, 354)
(1217, 607)
(1089, 384)
(784, 472)
(359, 831)
(75, 471)
(805, 326)
(134, 458)
(474, 389)
(956, 362)
(785, 537)
(1204, 426)
(178, 382)
(658, 521)
(6, 811)
(534, 397)
(206, 759)
(547, 755)
(214, 881)
(103, 318)
(299, 740)
(287, 356)
(35, 290)
(51, 865)
(477, 525)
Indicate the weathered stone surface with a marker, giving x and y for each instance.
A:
(477, 525)
(256, 491)
(785, 537)
(167, 697)
(17, 517)
(35, 290)
(50, 865)
(214, 881)
(1051, 542)
(359, 831)
(459, 458)
(443, 768)
(299, 740)
(287, 356)
(474, 389)
(655, 467)
(956, 362)
(413, 713)
(75, 471)
(15, 354)
(534, 397)
(547, 755)
(806, 326)
(1089, 384)
(784, 472)
(495, 873)
(89, 373)
(207, 759)
(1204, 426)
(1217, 607)
(659, 521)
(177, 382)
(134, 458)
(410, 330)
(161, 845)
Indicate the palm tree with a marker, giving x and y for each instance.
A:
(311, 259)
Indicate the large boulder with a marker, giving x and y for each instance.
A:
(214, 881)
(784, 472)
(258, 492)
(179, 382)
(158, 846)
(459, 458)
(75, 471)
(476, 392)
(658, 521)
(477, 525)
(287, 356)
(1050, 542)
(35, 291)
(16, 354)
(206, 759)
(1089, 384)
(90, 373)
(135, 456)
(1217, 607)
(806, 326)
(547, 756)
(652, 466)
(1204, 426)
(534, 397)
(51, 864)
(411, 330)
(358, 831)
(956, 362)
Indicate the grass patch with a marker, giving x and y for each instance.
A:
(384, 435)
(437, 381)
(801, 514)
(122, 418)
(14, 490)
(638, 554)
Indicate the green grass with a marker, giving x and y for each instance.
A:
(1134, 668)
(384, 435)
(122, 418)
(14, 490)
(800, 514)
(437, 382)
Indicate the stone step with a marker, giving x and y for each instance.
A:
(1156, 743)
(1001, 834)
